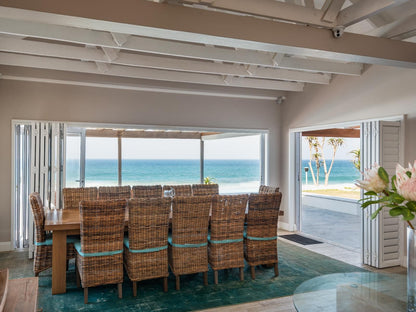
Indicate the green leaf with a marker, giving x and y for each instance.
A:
(408, 215)
(409, 174)
(370, 193)
(370, 202)
(375, 213)
(393, 183)
(394, 212)
(411, 205)
(397, 198)
(382, 173)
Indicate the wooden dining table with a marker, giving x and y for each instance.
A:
(62, 222)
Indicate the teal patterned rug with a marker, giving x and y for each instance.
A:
(295, 265)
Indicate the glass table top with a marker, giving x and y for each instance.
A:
(357, 291)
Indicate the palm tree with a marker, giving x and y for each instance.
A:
(357, 159)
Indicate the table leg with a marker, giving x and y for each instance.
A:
(58, 262)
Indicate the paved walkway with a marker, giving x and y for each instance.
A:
(331, 226)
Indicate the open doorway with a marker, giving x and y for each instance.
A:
(330, 164)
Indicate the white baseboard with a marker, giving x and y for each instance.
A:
(285, 226)
(5, 246)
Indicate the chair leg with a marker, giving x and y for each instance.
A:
(276, 270)
(120, 290)
(67, 264)
(134, 289)
(178, 282)
(206, 278)
(165, 284)
(241, 274)
(215, 277)
(85, 295)
(78, 277)
(253, 272)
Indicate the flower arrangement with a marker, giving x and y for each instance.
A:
(398, 194)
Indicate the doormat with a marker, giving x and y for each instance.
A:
(300, 239)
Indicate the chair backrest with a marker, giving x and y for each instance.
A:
(72, 196)
(266, 189)
(263, 214)
(228, 215)
(38, 216)
(180, 190)
(148, 222)
(102, 225)
(204, 189)
(114, 192)
(190, 217)
(145, 191)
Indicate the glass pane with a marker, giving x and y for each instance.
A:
(234, 163)
(160, 161)
(73, 154)
(101, 161)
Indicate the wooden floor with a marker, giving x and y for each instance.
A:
(285, 304)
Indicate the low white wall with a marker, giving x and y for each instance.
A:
(337, 204)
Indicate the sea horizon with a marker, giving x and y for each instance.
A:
(232, 175)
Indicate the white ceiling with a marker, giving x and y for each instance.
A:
(222, 51)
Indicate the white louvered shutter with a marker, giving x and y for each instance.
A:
(380, 143)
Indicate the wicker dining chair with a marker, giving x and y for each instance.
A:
(204, 189)
(73, 196)
(266, 189)
(99, 258)
(260, 237)
(146, 248)
(225, 244)
(114, 192)
(188, 251)
(145, 191)
(180, 190)
(43, 242)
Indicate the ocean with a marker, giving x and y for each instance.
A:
(233, 176)
(343, 172)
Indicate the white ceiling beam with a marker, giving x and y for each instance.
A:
(332, 11)
(137, 17)
(180, 23)
(105, 81)
(144, 73)
(138, 60)
(163, 47)
(364, 9)
(289, 11)
(403, 30)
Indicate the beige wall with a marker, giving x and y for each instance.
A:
(24, 100)
(379, 92)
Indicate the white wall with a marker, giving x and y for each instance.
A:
(38, 101)
(379, 92)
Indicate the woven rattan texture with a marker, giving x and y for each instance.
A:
(265, 189)
(114, 192)
(204, 189)
(144, 191)
(262, 218)
(73, 196)
(227, 223)
(43, 254)
(190, 216)
(102, 230)
(148, 228)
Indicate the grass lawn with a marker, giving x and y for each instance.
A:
(353, 194)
